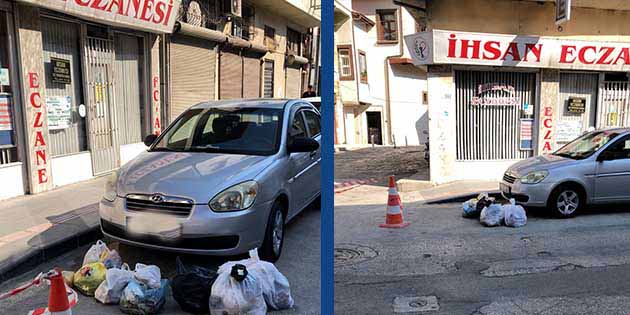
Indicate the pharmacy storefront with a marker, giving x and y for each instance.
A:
(495, 99)
(91, 84)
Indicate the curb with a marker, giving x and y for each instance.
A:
(462, 197)
(34, 256)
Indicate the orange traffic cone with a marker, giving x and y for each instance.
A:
(394, 217)
(60, 299)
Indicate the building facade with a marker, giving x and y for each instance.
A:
(507, 83)
(380, 92)
(83, 82)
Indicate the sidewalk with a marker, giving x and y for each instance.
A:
(34, 228)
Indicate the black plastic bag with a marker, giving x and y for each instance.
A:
(191, 287)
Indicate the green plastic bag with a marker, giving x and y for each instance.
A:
(89, 277)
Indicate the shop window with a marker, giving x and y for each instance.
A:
(294, 42)
(202, 13)
(387, 26)
(363, 75)
(243, 27)
(270, 38)
(346, 70)
(8, 149)
(615, 76)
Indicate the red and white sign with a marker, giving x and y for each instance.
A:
(504, 95)
(149, 15)
(5, 113)
(453, 47)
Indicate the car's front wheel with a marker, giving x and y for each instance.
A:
(274, 235)
(566, 200)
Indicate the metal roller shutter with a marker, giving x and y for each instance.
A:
(193, 63)
(268, 79)
(251, 70)
(128, 90)
(294, 82)
(231, 75)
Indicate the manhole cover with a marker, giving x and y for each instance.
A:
(416, 304)
(349, 254)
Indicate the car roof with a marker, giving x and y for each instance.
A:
(615, 129)
(275, 103)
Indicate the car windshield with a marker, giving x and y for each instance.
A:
(586, 145)
(250, 131)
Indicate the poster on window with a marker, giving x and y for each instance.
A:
(526, 134)
(59, 112)
(5, 112)
(567, 130)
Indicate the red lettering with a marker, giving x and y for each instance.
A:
(38, 120)
(168, 13)
(547, 135)
(39, 139)
(491, 47)
(548, 111)
(547, 146)
(36, 99)
(148, 7)
(157, 123)
(475, 46)
(41, 174)
(41, 156)
(158, 17)
(512, 50)
(156, 95)
(82, 3)
(452, 44)
(33, 80)
(607, 52)
(156, 81)
(534, 49)
(96, 4)
(119, 5)
(135, 5)
(582, 53)
(547, 123)
(565, 52)
(623, 54)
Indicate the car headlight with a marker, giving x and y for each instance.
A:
(237, 197)
(534, 177)
(110, 187)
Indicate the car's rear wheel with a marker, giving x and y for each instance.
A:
(566, 200)
(274, 234)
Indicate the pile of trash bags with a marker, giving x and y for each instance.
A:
(141, 291)
(249, 286)
(491, 213)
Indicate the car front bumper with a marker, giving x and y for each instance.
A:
(533, 195)
(203, 232)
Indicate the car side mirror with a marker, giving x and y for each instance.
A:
(302, 144)
(605, 156)
(148, 141)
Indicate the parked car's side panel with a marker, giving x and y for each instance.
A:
(612, 179)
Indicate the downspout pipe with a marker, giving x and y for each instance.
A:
(388, 105)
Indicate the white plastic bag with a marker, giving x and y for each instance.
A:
(491, 215)
(236, 292)
(110, 258)
(94, 253)
(110, 290)
(275, 286)
(515, 215)
(149, 275)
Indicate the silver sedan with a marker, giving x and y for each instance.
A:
(592, 169)
(222, 179)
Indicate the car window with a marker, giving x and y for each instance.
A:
(183, 132)
(298, 128)
(621, 148)
(313, 123)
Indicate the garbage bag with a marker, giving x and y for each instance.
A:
(472, 208)
(89, 277)
(514, 214)
(191, 287)
(491, 215)
(94, 253)
(140, 299)
(275, 286)
(148, 274)
(235, 292)
(110, 258)
(116, 279)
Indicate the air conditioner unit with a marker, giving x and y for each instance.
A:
(233, 7)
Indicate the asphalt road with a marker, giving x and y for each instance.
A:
(550, 266)
(299, 263)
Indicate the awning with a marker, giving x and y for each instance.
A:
(294, 13)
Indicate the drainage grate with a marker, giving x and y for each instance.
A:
(349, 254)
(416, 304)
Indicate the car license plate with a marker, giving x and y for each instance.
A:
(163, 226)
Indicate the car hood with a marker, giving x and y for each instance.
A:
(198, 176)
(537, 163)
